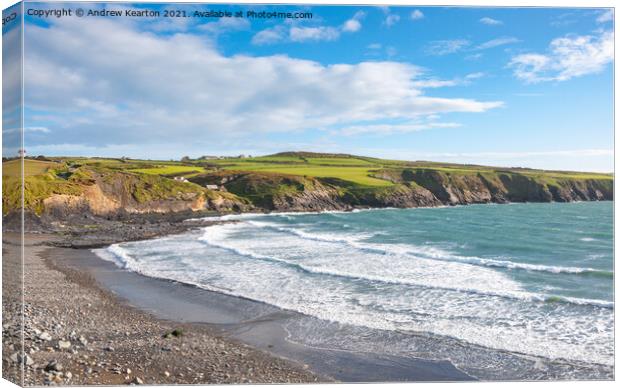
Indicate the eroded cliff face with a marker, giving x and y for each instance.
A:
(499, 187)
(412, 188)
(116, 194)
(278, 191)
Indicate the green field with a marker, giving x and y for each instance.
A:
(357, 175)
(354, 169)
(31, 167)
(263, 179)
(170, 170)
(359, 170)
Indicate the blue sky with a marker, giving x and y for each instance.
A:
(500, 86)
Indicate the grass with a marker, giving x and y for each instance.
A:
(357, 175)
(359, 170)
(349, 169)
(169, 170)
(31, 167)
(150, 180)
(43, 179)
(36, 189)
(350, 162)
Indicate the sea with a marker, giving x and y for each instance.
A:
(511, 291)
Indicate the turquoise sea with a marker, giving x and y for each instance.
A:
(533, 280)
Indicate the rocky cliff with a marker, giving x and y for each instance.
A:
(109, 194)
(112, 195)
(411, 188)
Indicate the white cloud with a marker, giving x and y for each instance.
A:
(417, 15)
(125, 86)
(568, 57)
(303, 34)
(435, 83)
(26, 129)
(497, 42)
(297, 33)
(386, 129)
(269, 36)
(391, 19)
(439, 83)
(354, 24)
(444, 47)
(37, 129)
(606, 16)
(490, 21)
(474, 75)
(374, 46)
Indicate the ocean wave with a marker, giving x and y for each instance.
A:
(356, 241)
(122, 259)
(245, 216)
(210, 237)
(288, 215)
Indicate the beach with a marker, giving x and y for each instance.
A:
(371, 283)
(79, 333)
(88, 322)
(287, 297)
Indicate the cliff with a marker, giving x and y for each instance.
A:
(62, 190)
(411, 188)
(59, 194)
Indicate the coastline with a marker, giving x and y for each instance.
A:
(256, 324)
(511, 366)
(215, 320)
(79, 333)
(83, 231)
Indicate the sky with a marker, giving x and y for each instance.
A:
(528, 87)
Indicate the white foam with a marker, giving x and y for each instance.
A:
(429, 252)
(346, 279)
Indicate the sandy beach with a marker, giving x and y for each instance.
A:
(78, 333)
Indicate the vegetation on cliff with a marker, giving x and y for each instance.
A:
(71, 182)
(298, 181)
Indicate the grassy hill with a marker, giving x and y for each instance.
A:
(290, 181)
(121, 185)
(361, 170)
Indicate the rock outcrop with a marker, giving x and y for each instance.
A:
(115, 195)
(411, 188)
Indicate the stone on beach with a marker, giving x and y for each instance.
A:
(53, 366)
(45, 336)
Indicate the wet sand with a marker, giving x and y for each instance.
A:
(78, 332)
(257, 324)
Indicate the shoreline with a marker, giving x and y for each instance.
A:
(257, 324)
(263, 330)
(80, 333)
(553, 368)
(90, 231)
